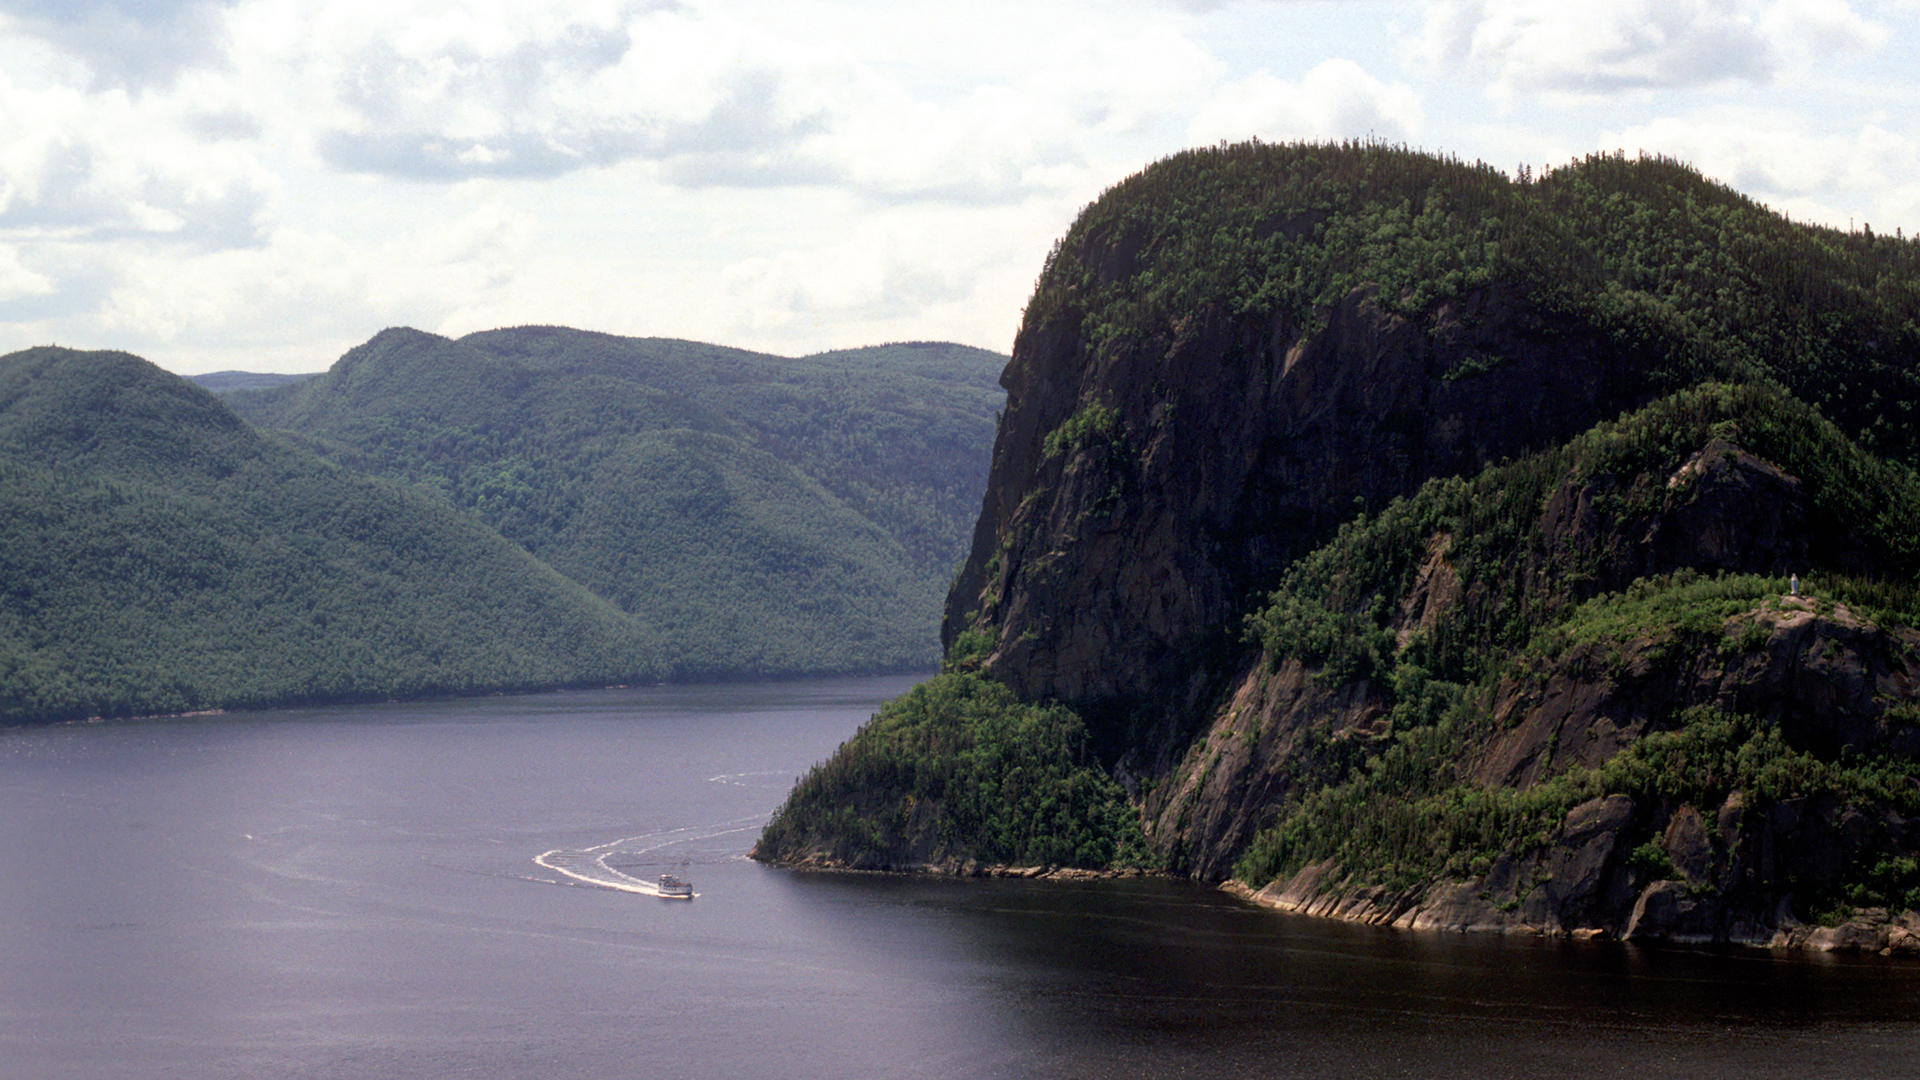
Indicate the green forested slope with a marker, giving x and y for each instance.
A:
(1645, 247)
(767, 515)
(997, 782)
(157, 554)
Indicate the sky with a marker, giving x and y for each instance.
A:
(260, 185)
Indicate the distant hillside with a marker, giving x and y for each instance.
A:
(158, 554)
(221, 382)
(766, 515)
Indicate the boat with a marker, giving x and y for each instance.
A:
(675, 888)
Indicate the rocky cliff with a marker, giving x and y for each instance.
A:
(1143, 490)
(1427, 548)
(1740, 767)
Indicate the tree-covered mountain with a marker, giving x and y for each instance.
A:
(158, 554)
(765, 515)
(1419, 545)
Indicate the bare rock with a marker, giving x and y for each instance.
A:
(1670, 911)
(1580, 861)
(1688, 846)
(1241, 443)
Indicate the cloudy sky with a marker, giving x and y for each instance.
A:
(262, 184)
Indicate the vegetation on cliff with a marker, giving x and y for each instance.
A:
(1336, 608)
(1426, 541)
(1645, 247)
(958, 773)
(1402, 818)
(1406, 805)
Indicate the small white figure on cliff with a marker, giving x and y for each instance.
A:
(1793, 585)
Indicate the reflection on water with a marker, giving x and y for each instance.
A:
(354, 892)
(1154, 978)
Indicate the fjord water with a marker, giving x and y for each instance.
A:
(352, 892)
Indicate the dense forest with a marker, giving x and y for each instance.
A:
(158, 555)
(767, 516)
(526, 509)
(994, 781)
(1427, 545)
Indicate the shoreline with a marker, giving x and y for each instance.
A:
(1441, 908)
(968, 869)
(1445, 907)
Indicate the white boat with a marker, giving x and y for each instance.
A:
(675, 888)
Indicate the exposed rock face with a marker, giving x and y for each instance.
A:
(1105, 568)
(1830, 682)
(1826, 679)
(1824, 675)
(1723, 510)
(1728, 510)
(1278, 726)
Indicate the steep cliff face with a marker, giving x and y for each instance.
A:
(1421, 547)
(1724, 858)
(1826, 679)
(1142, 491)
(1721, 759)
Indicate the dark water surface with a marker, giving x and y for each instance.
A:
(352, 892)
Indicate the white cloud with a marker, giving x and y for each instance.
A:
(318, 285)
(1335, 100)
(877, 273)
(18, 281)
(105, 164)
(131, 44)
(1602, 47)
(1863, 175)
(444, 91)
(717, 93)
(1812, 31)
(252, 196)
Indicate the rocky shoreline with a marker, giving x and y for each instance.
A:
(1466, 907)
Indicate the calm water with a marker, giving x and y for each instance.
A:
(352, 892)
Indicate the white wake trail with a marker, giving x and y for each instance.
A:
(590, 864)
(592, 869)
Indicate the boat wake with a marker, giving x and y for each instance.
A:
(589, 865)
(593, 869)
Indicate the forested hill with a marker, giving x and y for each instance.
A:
(158, 554)
(1352, 321)
(1424, 545)
(766, 515)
